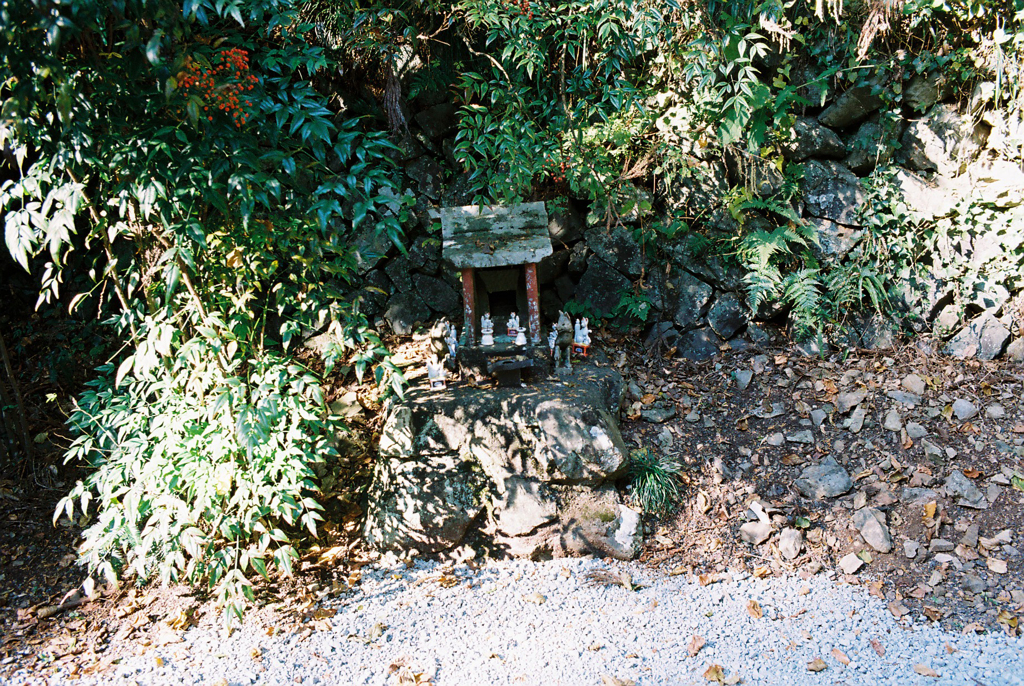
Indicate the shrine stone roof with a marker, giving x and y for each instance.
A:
(482, 236)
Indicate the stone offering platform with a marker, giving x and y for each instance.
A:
(533, 468)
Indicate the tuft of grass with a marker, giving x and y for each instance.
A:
(655, 481)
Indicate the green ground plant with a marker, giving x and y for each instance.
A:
(654, 481)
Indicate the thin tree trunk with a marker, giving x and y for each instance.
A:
(18, 402)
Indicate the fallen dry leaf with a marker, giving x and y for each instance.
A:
(754, 609)
(816, 665)
(997, 566)
(715, 673)
(971, 473)
(932, 613)
(879, 648)
(925, 670)
(732, 679)
(707, 579)
(612, 681)
(536, 597)
(898, 609)
(761, 572)
(950, 649)
(695, 644)
(929, 510)
(840, 656)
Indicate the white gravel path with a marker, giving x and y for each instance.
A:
(489, 630)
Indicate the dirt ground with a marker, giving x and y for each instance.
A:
(736, 446)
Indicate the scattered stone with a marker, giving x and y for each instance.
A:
(911, 549)
(847, 401)
(905, 398)
(964, 409)
(974, 583)
(985, 338)
(970, 537)
(856, 421)
(851, 563)
(870, 522)
(915, 384)
(818, 416)
(698, 345)
(916, 431)
(825, 480)
(791, 543)
(940, 545)
(776, 439)
(756, 533)
(970, 495)
(743, 378)
(918, 496)
(726, 316)
(995, 411)
(658, 413)
(693, 417)
(932, 451)
(805, 437)
(770, 412)
(893, 421)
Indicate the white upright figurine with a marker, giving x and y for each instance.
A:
(581, 337)
(521, 336)
(513, 325)
(452, 339)
(551, 340)
(576, 332)
(585, 332)
(436, 374)
(486, 330)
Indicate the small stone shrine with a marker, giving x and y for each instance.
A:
(527, 468)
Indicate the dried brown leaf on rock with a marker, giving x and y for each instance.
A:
(754, 609)
(971, 473)
(932, 613)
(715, 673)
(703, 502)
(898, 609)
(925, 670)
(612, 681)
(840, 656)
(879, 648)
(536, 598)
(707, 579)
(695, 644)
(929, 510)
(816, 665)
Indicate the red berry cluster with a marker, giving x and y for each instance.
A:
(523, 6)
(223, 85)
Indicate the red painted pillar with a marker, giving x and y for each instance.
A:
(469, 305)
(533, 301)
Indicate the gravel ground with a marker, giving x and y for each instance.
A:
(518, 622)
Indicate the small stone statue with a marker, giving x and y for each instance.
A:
(521, 336)
(486, 330)
(438, 344)
(563, 341)
(436, 374)
(513, 326)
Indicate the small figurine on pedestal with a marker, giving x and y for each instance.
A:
(436, 374)
(563, 342)
(486, 330)
(581, 339)
(551, 341)
(452, 340)
(513, 326)
(521, 336)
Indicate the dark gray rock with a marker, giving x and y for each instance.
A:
(460, 191)
(931, 144)
(831, 191)
(437, 294)
(752, 171)
(405, 311)
(698, 345)
(834, 240)
(601, 287)
(578, 259)
(425, 254)
(438, 121)
(709, 268)
(692, 299)
(808, 138)
(924, 90)
(727, 315)
(851, 107)
(879, 333)
(985, 338)
(426, 176)
(658, 413)
(618, 248)
(452, 486)
(825, 480)
(373, 296)
(565, 288)
(565, 224)
(663, 332)
(970, 495)
(553, 266)
(399, 270)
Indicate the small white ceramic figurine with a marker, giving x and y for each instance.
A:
(436, 374)
(521, 336)
(582, 336)
(551, 340)
(486, 330)
(452, 339)
(513, 325)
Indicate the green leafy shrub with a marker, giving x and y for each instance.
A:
(654, 481)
